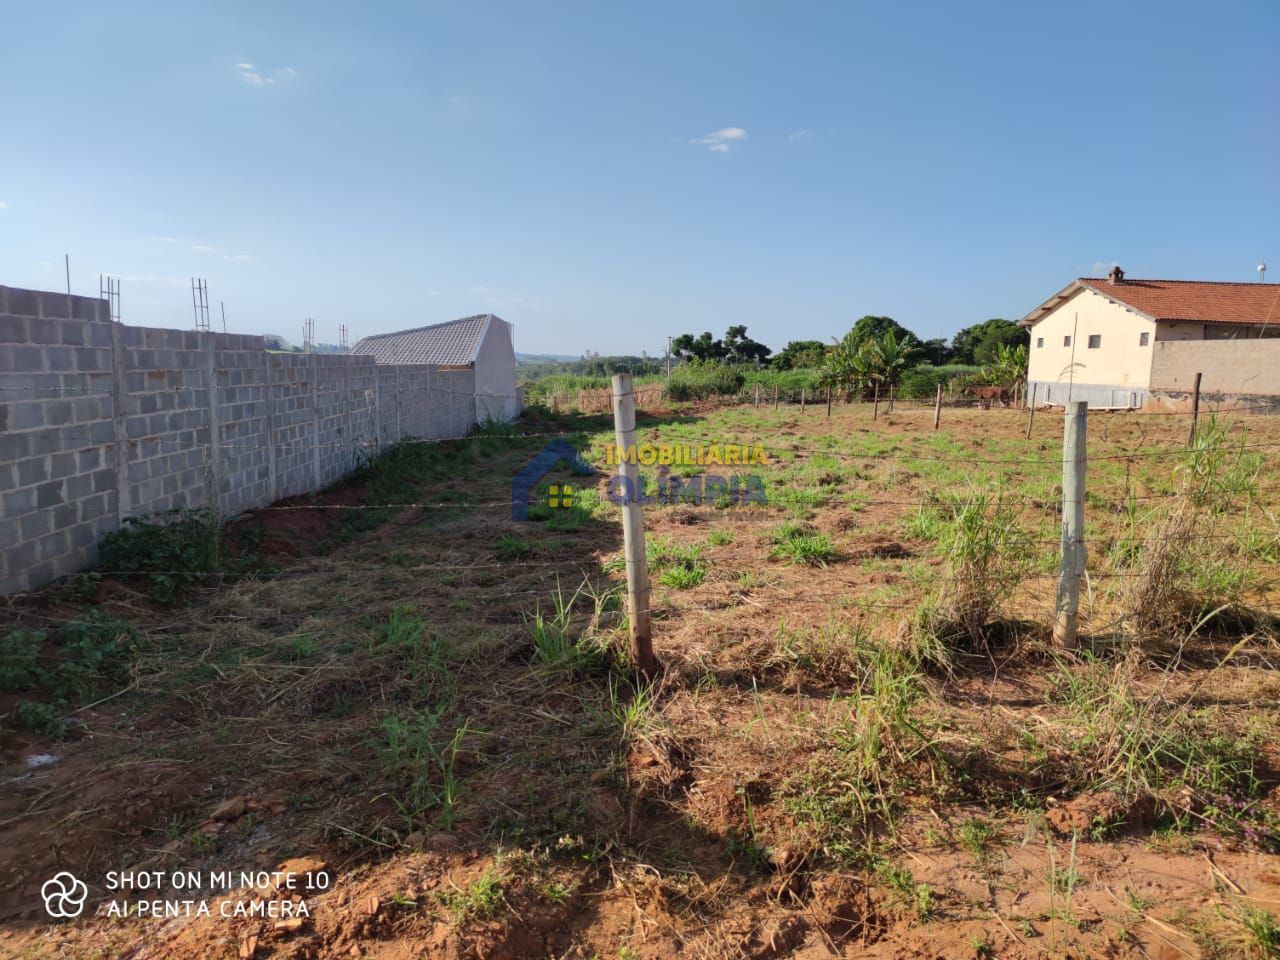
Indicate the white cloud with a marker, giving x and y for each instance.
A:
(251, 76)
(3, 205)
(797, 135)
(257, 77)
(202, 248)
(237, 257)
(720, 140)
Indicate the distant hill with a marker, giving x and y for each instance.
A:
(545, 357)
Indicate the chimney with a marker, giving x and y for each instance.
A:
(1116, 275)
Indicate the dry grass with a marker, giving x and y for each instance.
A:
(800, 766)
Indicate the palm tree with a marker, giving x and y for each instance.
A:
(1009, 368)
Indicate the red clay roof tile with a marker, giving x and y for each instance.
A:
(1199, 300)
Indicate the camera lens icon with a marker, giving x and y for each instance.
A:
(64, 896)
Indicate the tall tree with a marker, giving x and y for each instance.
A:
(873, 328)
(936, 351)
(997, 337)
(736, 347)
(965, 344)
(740, 348)
(799, 354)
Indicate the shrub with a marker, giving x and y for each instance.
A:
(20, 667)
(921, 383)
(699, 381)
(788, 382)
(173, 551)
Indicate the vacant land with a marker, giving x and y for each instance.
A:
(862, 741)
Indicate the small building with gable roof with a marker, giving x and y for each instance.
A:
(483, 343)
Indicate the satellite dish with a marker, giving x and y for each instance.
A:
(1262, 271)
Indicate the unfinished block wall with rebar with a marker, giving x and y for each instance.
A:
(100, 422)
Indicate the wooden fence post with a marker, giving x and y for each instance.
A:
(1195, 411)
(802, 392)
(757, 396)
(937, 408)
(775, 398)
(828, 403)
(624, 425)
(1066, 619)
(875, 408)
(1031, 410)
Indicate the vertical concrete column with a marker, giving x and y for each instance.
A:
(269, 427)
(398, 435)
(119, 403)
(348, 401)
(213, 465)
(377, 409)
(313, 366)
(431, 378)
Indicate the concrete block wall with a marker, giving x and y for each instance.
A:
(166, 419)
(1247, 366)
(244, 468)
(58, 490)
(100, 422)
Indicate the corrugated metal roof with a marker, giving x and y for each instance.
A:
(454, 343)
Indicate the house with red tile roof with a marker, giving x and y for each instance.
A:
(1118, 342)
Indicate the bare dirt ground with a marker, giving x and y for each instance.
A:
(431, 706)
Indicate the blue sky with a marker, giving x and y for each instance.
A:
(606, 174)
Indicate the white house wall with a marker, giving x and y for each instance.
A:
(496, 375)
(1116, 373)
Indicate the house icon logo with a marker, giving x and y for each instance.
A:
(522, 484)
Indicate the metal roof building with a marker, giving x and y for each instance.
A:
(485, 343)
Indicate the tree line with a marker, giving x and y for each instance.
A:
(877, 352)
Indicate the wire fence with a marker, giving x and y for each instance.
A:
(935, 496)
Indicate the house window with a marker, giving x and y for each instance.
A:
(1143, 339)
(1039, 342)
(1095, 341)
(1066, 341)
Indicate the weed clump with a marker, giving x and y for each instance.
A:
(562, 646)
(171, 551)
(93, 651)
(883, 753)
(801, 544)
(987, 555)
(678, 567)
(1183, 569)
(1146, 750)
